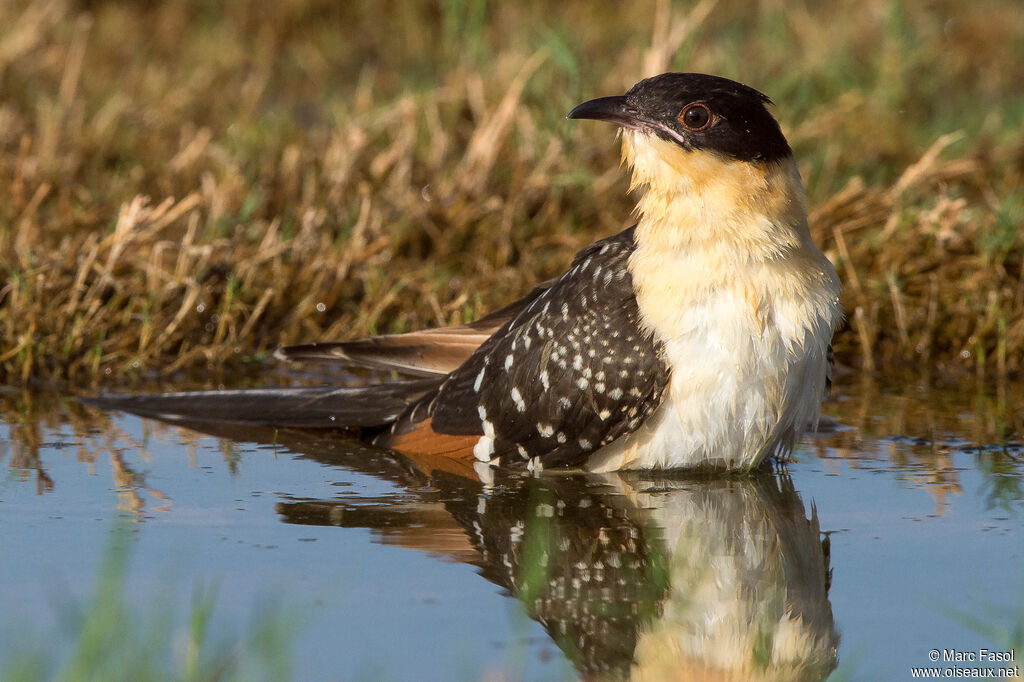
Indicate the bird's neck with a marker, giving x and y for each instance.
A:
(709, 225)
(700, 204)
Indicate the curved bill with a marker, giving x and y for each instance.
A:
(613, 109)
(616, 110)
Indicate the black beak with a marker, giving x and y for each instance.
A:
(611, 109)
(616, 110)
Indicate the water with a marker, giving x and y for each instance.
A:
(896, 534)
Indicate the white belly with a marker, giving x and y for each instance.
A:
(742, 387)
(728, 279)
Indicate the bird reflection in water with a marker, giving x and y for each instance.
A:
(633, 575)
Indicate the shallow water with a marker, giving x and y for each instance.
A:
(897, 533)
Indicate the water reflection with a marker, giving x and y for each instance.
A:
(640, 576)
(631, 576)
(927, 438)
(42, 424)
(922, 435)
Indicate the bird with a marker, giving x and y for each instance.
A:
(698, 338)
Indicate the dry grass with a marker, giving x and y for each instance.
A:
(185, 187)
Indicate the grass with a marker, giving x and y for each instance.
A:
(186, 185)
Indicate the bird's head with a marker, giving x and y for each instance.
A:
(697, 112)
(704, 137)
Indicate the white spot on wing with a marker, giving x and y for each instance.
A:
(517, 398)
(484, 449)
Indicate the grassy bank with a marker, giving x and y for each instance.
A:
(186, 185)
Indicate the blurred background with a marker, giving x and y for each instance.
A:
(188, 184)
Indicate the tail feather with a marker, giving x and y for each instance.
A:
(432, 352)
(429, 353)
(319, 407)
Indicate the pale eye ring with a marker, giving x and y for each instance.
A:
(696, 117)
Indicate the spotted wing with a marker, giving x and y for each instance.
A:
(573, 371)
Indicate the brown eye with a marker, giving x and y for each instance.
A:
(695, 117)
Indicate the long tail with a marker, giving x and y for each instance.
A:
(319, 407)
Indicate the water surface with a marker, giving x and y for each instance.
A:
(897, 533)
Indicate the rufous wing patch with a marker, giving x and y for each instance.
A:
(432, 451)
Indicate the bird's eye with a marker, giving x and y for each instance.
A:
(696, 117)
